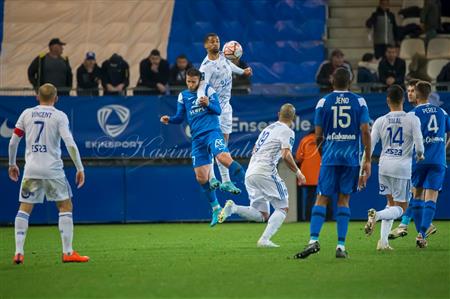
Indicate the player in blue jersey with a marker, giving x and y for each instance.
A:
(207, 139)
(428, 175)
(341, 121)
(402, 229)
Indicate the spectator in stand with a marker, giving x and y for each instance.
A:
(52, 68)
(327, 68)
(430, 18)
(418, 68)
(153, 74)
(308, 160)
(443, 79)
(115, 75)
(367, 69)
(178, 71)
(88, 76)
(392, 68)
(384, 26)
(241, 83)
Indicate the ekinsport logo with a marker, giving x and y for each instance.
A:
(112, 129)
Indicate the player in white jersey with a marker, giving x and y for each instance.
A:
(400, 133)
(262, 181)
(43, 127)
(218, 72)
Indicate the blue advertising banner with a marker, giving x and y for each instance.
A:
(129, 127)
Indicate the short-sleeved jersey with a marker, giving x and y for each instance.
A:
(399, 133)
(200, 119)
(219, 74)
(435, 124)
(267, 150)
(340, 115)
(44, 126)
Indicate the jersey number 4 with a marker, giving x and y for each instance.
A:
(432, 124)
(341, 117)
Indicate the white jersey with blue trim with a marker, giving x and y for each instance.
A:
(268, 147)
(44, 127)
(399, 133)
(219, 74)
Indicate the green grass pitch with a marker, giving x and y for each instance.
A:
(193, 261)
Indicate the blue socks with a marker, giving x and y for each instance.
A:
(406, 219)
(417, 208)
(210, 195)
(237, 171)
(428, 215)
(342, 220)
(318, 215)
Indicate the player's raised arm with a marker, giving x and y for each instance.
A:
(211, 101)
(72, 149)
(179, 116)
(375, 135)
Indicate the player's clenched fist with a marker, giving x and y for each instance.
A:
(165, 119)
(79, 179)
(204, 101)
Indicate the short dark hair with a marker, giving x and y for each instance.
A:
(390, 46)
(423, 90)
(341, 78)
(155, 52)
(211, 34)
(395, 93)
(193, 72)
(412, 82)
(367, 57)
(182, 56)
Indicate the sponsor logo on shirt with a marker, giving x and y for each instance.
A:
(340, 137)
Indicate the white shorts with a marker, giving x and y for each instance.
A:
(263, 190)
(400, 189)
(33, 190)
(226, 119)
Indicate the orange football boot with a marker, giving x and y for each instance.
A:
(74, 258)
(18, 259)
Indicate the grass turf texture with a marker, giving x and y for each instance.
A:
(193, 260)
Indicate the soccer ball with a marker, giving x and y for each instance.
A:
(232, 50)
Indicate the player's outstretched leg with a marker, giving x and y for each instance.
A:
(237, 172)
(246, 212)
(65, 225)
(275, 221)
(213, 181)
(20, 230)
(402, 229)
(212, 199)
(387, 217)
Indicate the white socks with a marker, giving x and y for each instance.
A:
(274, 223)
(386, 226)
(249, 213)
(212, 175)
(389, 213)
(224, 172)
(65, 226)
(20, 229)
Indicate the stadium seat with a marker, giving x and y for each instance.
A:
(411, 46)
(231, 30)
(312, 30)
(263, 74)
(204, 11)
(288, 30)
(289, 71)
(411, 21)
(262, 51)
(261, 31)
(409, 3)
(200, 29)
(435, 66)
(438, 48)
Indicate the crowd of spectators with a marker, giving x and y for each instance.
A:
(156, 76)
(378, 70)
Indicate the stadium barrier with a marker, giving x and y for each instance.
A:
(139, 170)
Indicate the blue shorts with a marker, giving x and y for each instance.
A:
(338, 179)
(428, 176)
(206, 146)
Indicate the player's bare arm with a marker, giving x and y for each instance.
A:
(286, 154)
(319, 138)
(13, 170)
(366, 163)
